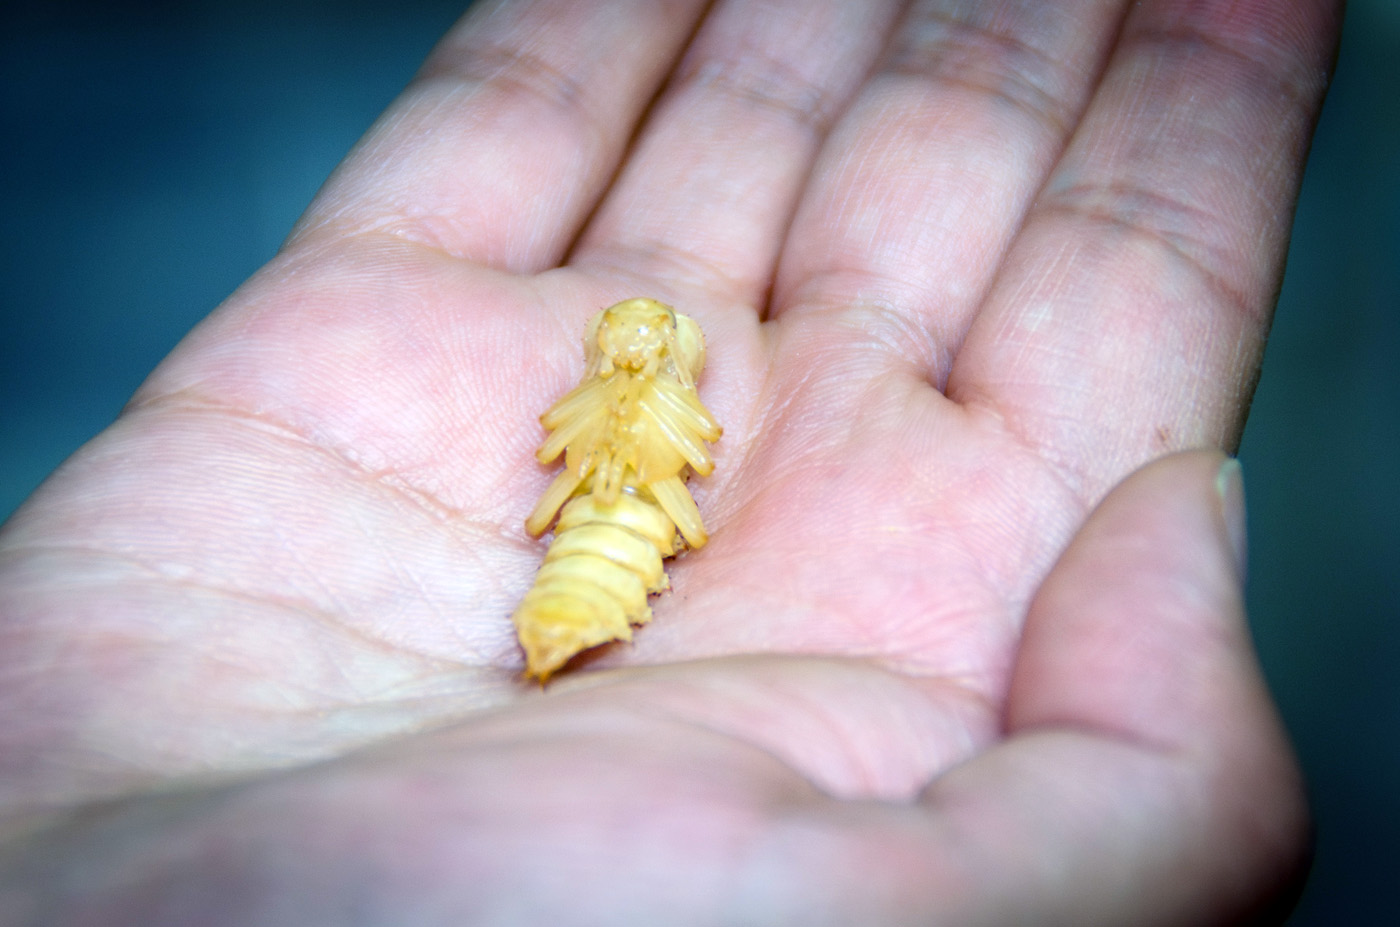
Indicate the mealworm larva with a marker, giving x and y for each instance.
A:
(630, 433)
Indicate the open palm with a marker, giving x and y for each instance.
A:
(959, 273)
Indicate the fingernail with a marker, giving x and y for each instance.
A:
(1229, 484)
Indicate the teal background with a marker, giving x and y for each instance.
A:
(154, 154)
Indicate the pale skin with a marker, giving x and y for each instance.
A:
(944, 660)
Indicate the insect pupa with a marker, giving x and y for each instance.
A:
(631, 432)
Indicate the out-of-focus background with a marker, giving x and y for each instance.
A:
(155, 153)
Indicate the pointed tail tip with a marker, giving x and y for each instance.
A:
(561, 617)
(549, 646)
(542, 662)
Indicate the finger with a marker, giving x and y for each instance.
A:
(1137, 679)
(1131, 313)
(1138, 632)
(914, 198)
(506, 138)
(1145, 778)
(704, 200)
(1143, 743)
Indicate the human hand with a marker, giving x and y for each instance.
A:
(264, 617)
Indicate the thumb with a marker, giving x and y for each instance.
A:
(1138, 637)
(1139, 630)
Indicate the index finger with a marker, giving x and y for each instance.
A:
(502, 144)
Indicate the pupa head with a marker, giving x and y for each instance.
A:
(643, 335)
(634, 334)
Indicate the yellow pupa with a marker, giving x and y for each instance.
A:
(630, 434)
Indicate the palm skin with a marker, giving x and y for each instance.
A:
(262, 621)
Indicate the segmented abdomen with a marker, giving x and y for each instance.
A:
(604, 563)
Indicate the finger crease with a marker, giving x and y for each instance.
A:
(1299, 86)
(1157, 219)
(681, 268)
(518, 73)
(998, 65)
(880, 308)
(419, 498)
(764, 83)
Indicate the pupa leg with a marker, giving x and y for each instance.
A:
(555, 496)
(675, 500)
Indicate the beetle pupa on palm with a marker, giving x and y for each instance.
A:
(630, 433)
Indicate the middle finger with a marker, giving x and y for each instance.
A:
(705, 197)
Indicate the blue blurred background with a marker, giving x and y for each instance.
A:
(154, 154)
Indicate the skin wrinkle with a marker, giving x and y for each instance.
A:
(817, 294)
(375, 700)
(896, 642)
(1119, 206)
(1025, 77)
(1298, 87)
(874, 324)
(323, 612)
(776, 753)
(419, 499)
(701, 704)
(764, 82)
(302, 608)
(520, 78)
(336, 218)
(219, 753)
(683, 269)
(510, 59)
(1073, 485)
(520, 74)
